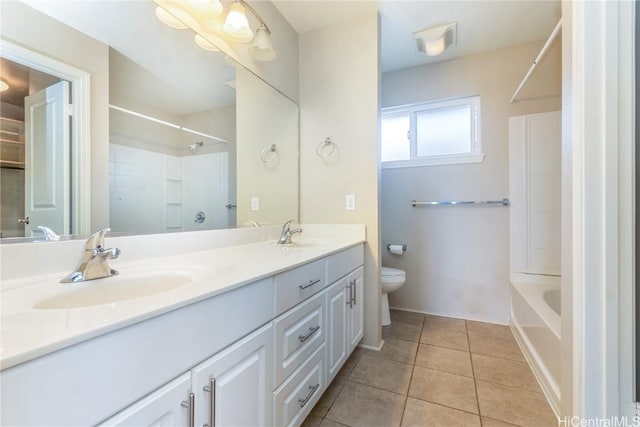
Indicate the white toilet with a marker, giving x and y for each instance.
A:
(391, 279)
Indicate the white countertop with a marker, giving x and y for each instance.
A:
(27, 332)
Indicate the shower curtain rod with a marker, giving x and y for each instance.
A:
(163, 122)
(546, 46)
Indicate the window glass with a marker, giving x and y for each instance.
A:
(394, 131)
(443, 131)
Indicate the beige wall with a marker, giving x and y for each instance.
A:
(457, 261)
(32, 30)
(272, 119)
(339, 86)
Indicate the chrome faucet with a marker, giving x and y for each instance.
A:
(94, 263)
(285, 235)
(49, 234)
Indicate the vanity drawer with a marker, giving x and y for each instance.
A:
(295, 286)
(298, 333)
(296, 397)
(343, 263)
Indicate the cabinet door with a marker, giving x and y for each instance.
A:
(241, 379)
(337, 306)
(165, 407)
(356, 311)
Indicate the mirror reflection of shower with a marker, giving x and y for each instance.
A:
(194, 147)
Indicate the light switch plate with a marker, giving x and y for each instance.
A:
(350, 202)
(255, 203)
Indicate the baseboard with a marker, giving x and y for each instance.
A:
(371, 347)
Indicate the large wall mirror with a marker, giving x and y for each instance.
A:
(185, 138)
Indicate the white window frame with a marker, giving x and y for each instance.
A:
(475, 156)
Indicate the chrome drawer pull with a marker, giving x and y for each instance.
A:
(192, 408)
(311, 283)
(211, 388)
(353, 298)
(312, 389)
(312, 331)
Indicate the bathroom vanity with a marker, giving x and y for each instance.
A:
(251, 335)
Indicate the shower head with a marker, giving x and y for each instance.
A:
(193, 147)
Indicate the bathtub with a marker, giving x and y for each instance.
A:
(535, 322)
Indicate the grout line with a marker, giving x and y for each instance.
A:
(473, 372)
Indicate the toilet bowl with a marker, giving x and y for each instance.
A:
(391, 279)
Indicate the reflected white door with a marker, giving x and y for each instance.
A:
(47, 180)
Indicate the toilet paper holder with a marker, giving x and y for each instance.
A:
(404, 247)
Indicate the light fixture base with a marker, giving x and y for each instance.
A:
(435, 40)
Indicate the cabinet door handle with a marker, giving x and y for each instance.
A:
(353, 284)
(191, 404)
(211, 389)
(312, 331)
(312, 389)
(350, 299)
(311, 283)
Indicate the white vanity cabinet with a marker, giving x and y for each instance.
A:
(355, 313)
(259, 354)
(344, 319)
(168, 406)
(233, 388)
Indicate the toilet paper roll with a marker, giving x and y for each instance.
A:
(396, 249)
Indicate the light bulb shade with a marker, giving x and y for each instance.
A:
(205, 44)
(3, 86)
(208, 7)
(236, 26)
(168, 19)
(434, 47)
(434, 41)
(261, 48)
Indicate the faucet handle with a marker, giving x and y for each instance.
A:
(285, 227)
(96, 241)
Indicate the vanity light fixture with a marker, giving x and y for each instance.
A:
(168, 19)
(434, 41)
(236, 25)
(205, 44)
(208, 7)
(3, 86)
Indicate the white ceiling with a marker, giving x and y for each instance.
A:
(482, 25)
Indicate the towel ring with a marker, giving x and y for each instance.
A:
(326, 148)
(269, 154)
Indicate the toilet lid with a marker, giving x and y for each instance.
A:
(392, 272)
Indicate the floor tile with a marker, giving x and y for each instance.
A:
(403, 331)
(350, 364)
(496, 347)
(506, 372)
(488, 422)
(444, 359)
(454, 391)
(328, 398)
(420, 413)
(444, 323)
(407, 317)
(312, 421)
(444, 338)
(513, 405)
(361, 405)
(488, 330)
(328, 423)
(397, 350)
(382, 373)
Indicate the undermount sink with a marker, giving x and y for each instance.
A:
(114, 289)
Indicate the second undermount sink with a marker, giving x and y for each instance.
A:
(123, 287)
